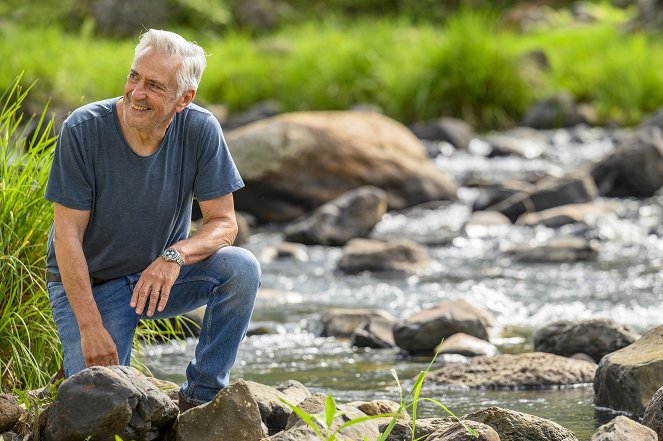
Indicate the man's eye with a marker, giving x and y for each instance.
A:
(153, 86)
(133, 76)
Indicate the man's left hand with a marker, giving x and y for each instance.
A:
(154, 285)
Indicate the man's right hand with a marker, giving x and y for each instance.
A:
(98, 347)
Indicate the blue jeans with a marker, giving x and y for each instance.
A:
(227, 282)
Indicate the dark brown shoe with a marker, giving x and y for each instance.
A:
(185, 404)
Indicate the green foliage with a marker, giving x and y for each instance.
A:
(322, 423)
(27, 333)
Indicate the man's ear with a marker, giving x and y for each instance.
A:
(186, 99)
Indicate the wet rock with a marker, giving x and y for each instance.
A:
(595, 337)
(343, 322)
(274, 412)
(529, 371)
(397, 255)
(555, 250)
(293, 163)
(622, 428)
(351, 215)
(634, 169)
(653, 416)
(467, 346)
(10, 412)
(455, 131)
(284, 250)
(486, 223)
(233, 414)
(104, 401)
(344, 413)
(518, 426)
(556, 217)
(376, 332)
(423, 331)
(492, 194)
(628, 378)
(457, 431)
(574, 188)
(559, 110)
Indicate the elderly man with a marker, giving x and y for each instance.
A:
(123, 179)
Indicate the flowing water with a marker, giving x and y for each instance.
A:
(625, 283)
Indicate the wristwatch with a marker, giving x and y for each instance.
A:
(172, 255)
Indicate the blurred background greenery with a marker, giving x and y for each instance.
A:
(482, 61)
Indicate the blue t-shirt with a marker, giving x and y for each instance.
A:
(138, 205)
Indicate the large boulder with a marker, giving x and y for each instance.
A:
(351, 215)
(397, 255)
(295, 162)
(522, 371)
(233, 414)
(653, 417)
(577, 187)
(518, 426)
(594, 337)
(635, 168)
(623, 428)
(424, 330)
(627, 379)
(102, 402)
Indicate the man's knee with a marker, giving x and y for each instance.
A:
(243, 266)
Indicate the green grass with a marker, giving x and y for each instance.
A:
(469, 66)
(27, 333)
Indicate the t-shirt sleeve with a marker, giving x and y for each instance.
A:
(70, 182)
(216, 174)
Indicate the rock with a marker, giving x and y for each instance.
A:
(518, 426)
(274, 412)
(492, 194)
(547, 193)
(376, 332)
(397, 255)
(423, 331)
(588, 213)
(628, 378)
(559, 110)
(455, 131)
(126, 18)
(467, 346)
(10, 412)
(343, 322)
(344, 413)
(555, 250)
(257, 112)
(595, 337)
(622, 428)
(351, 215)
(399, 431)
(520, 141)
(634, 169)
(653, 416)
(233, 414)
(380, 407)
(172, 390)
(486, 223)
(456, 431)
(522, 371)
(243, 229)
(104, 401)
(284, 250)
(293, 163)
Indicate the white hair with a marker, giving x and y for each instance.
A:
(193, 56)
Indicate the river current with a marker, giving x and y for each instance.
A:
(624, 283)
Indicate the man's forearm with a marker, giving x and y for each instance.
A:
(76, 280)
(210, 237)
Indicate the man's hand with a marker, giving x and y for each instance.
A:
(98, 347)
(154, 285)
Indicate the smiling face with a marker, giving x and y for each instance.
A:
(150, 94)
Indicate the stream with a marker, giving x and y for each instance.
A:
(625, 283)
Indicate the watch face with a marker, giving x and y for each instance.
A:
(170, 253)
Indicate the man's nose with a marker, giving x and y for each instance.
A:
(140, 89)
